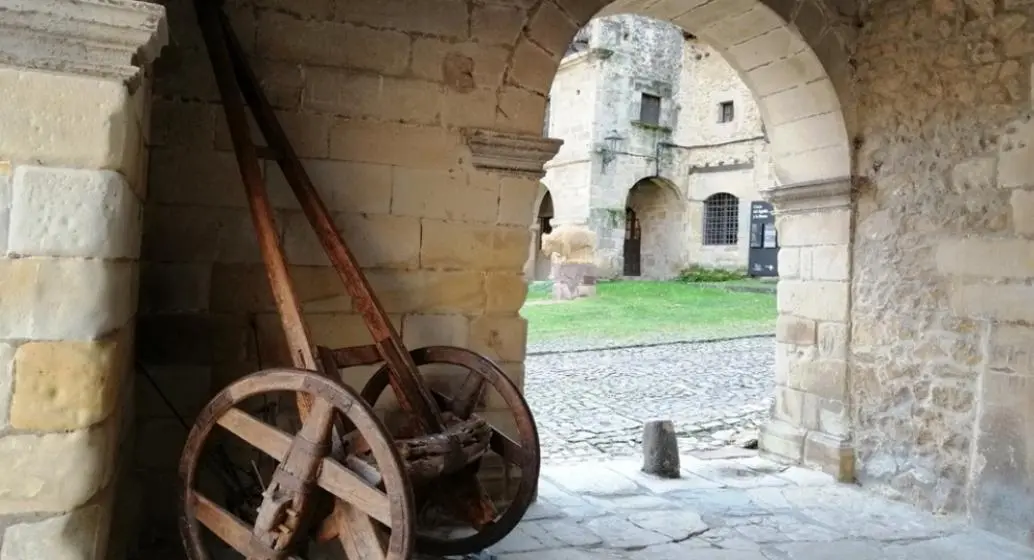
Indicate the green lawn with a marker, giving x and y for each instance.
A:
(626, 312)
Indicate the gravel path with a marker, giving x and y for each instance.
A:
(592, 404)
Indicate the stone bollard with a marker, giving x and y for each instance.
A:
(660, 449)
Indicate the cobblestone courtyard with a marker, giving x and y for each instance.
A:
(592, 404)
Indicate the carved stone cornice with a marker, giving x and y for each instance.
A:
(816, 195)
(519, 154)
(109, 39)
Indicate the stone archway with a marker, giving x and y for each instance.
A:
(660, 229)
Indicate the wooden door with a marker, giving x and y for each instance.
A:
(633, 244)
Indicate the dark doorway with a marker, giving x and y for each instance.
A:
(633, 244)
(545, 225)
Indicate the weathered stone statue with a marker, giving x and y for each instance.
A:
(572, 253)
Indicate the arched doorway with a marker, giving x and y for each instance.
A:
(655, 226)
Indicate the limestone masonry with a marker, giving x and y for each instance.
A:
(899, 150)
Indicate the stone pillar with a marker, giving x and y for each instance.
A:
(810, 421)
(72, 125)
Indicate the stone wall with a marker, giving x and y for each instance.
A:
(71, 188)
(941, 375)
(380, 107)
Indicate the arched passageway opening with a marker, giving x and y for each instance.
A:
(543, 226)
(655, 230)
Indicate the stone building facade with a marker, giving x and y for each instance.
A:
(657, 127)
(899, 130)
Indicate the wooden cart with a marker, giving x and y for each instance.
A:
(343, 475)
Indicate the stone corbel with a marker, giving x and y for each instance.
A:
(518, 154)
(108, 39)
(816, 195)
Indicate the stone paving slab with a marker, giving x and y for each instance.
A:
(738, 507)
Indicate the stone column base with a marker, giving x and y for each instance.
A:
(830, 454)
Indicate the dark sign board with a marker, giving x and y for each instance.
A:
(764, 243)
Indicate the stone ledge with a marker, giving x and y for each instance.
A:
(784, 442)
(813, 195)
(521, 154)
(109, 39)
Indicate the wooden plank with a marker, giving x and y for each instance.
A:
(225, 525)
(358, 535)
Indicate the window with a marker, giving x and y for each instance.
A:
(721, 219)
(726, 112)
(650, 109)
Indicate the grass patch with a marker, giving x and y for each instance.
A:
(627, 312)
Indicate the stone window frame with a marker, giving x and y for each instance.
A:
(722, 106)
(721, 223)
(650, 108)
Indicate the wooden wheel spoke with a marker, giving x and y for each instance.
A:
(507, 448)
(352, 488)
(260, 435)
(359, 536)
(227, 527)
(468, 396)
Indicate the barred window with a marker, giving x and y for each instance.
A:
(726, 112)
(721, 219)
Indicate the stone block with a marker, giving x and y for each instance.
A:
(183, 124)
(737, 28)
(782, 440)
(506, 292)
(533, 68)
(79, 535)
(367, 96)
(814, 299)
(343, 186)
(175, 287)
(64, 299)
(338, 330)
(441, 61)
(6, 381)
(1016, 167)
(394, 144)
(828, 262)
(430, 291)
(833, 341)
(831, 454)
(68, 385)
(284, 38)
(199, 234)
(65, 121)
(375, 240)
(448, 245)
(474, 109)
(816, 165)
(551, 28)
(1012, 350)
(188, 388)
(801, 68)
(6, 194)
(520, 110)
(830, 416)
(444, 195)
(517, 199)
(789, 407)
(499, 337)
(429, 330)
(443, 18)
(800, 102)
(795, 330)
(1009, 258)
(789, 262)
(826, 227)
(496, 24)
(215, 179)
(992, 301)
(54, 472)
(509, 248)
(1022, 203)
(73, 213)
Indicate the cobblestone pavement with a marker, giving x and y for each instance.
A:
(592, 404)
(738, 508)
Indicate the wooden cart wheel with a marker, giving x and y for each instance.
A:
(362, 508)
(523, 453)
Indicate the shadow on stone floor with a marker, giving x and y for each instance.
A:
(739, 507)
